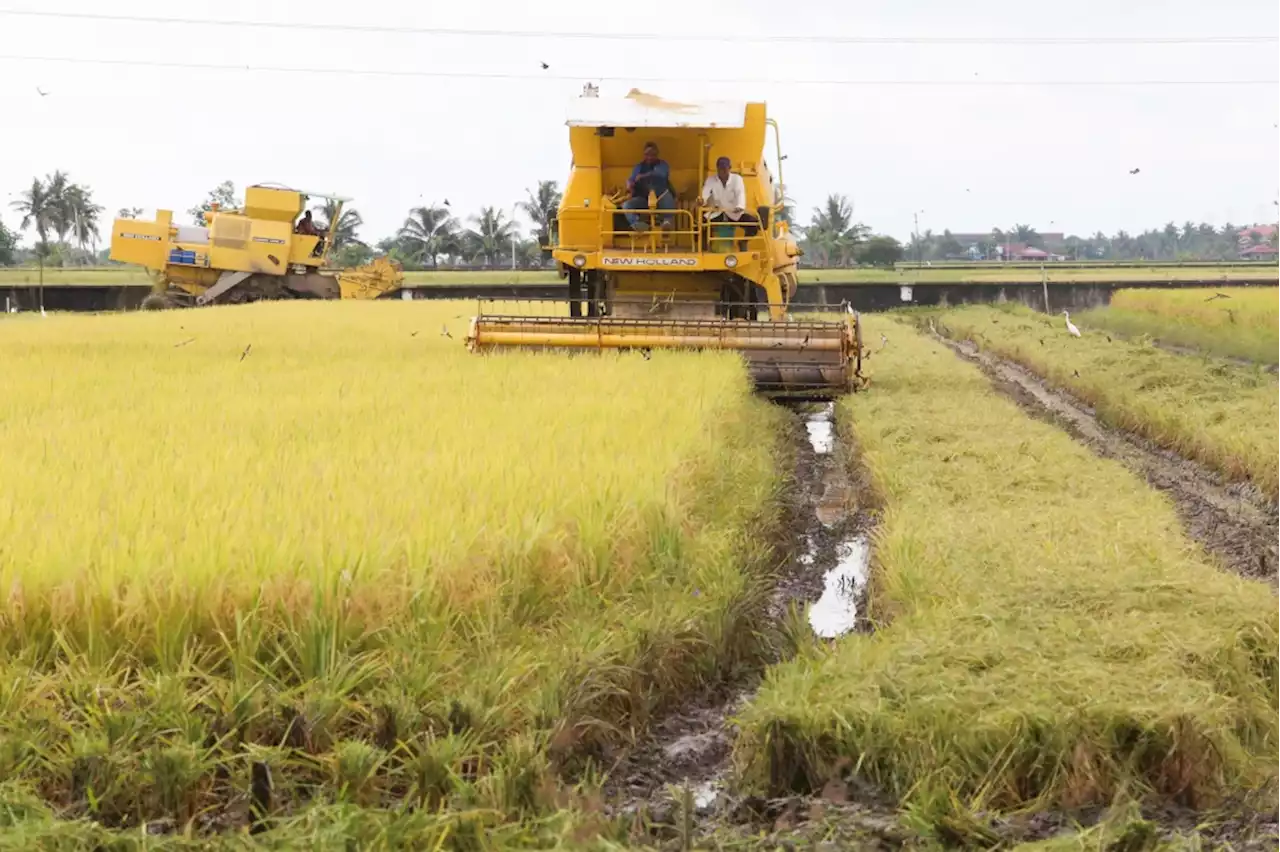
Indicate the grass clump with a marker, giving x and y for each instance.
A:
(1221, 414)
(1047, 634)
(1245, 324)
(322, 542)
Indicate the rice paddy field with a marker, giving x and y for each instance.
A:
(1218, 412)
(310, 575)
(323, 542)
(1239, 324)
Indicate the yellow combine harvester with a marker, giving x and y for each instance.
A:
(655, 264)
(244, 255)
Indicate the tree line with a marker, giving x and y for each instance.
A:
(57, 207)
(65, 221)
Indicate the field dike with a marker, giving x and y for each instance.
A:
(1049, 641)
(682, 767)
(1231, 520)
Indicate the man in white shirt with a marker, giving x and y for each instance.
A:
(726, 195)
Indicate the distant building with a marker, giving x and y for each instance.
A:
(1022, 251)
(1251, 234)
(1262, 252)
(972, 245)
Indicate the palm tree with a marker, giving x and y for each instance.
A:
(78, 202)
(37, 209)
(428, 232)
(344, 232)
(833, 234)
(63, 219)
(492, 234)
(541, 208)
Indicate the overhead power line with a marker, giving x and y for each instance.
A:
(667, 37)
(543, 76)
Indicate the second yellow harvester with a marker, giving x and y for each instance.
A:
(245, 255)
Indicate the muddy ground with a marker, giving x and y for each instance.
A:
(691, 747)
(675, 784)
(1233, 521)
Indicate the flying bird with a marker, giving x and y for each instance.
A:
(42, 92)
(446, 203)
(413, 334)
(246, 351)
(1134, 171)
(1075, 373)
(544, 65)
(444, 331)
(1071, 327)
(1217, 296)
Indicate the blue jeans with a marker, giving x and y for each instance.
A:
(666, 201)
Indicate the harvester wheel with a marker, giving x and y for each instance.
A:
(173, 298)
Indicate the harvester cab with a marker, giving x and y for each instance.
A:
(655, 264)
(257, 252)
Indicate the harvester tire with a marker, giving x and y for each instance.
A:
(155, 302)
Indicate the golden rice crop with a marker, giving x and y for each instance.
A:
(1219, 413)
(1237, 322)
(1047, 635)
(325, 537)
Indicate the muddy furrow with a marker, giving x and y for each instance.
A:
(826, 567)
(1232, 521)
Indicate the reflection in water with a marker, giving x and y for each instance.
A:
(821, 434)
(836, 612)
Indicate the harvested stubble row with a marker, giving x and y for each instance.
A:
(1219, 413)
(1048, 636)
(1235, 322)
(325, 538)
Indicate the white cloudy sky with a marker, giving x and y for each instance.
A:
(970, 154)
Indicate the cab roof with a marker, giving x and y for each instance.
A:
(638, 109)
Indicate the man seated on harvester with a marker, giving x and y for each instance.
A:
(650, 174)
(725, 195)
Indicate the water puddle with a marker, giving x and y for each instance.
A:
(705, 795)
(822, 436)
(836, 612)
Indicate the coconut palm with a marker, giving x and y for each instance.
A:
(428, 232)
(541, 208)
(491, 237)
(63, 218)
(77, 202)
(343, 232)
(832, 235)
(38, 211)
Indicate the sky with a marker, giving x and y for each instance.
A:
(909, 131)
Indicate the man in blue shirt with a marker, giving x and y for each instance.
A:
(650, 174)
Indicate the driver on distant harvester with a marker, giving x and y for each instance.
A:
(650, 174)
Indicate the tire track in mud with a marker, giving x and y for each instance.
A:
(1232, 521)
(826, 566)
